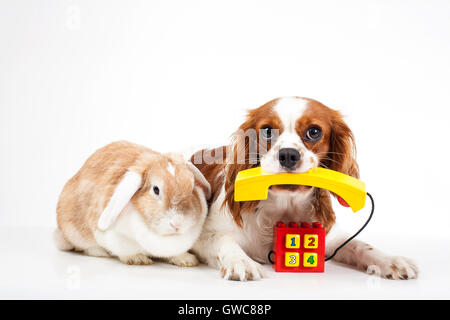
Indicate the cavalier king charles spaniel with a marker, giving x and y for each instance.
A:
(288, 134)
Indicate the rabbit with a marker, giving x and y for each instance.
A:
(133, 203)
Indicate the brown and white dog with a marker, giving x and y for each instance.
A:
(289, 134)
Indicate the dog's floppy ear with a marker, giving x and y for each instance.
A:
(342, 148)
(125, 189)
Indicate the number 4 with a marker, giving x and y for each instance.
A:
(310, 259)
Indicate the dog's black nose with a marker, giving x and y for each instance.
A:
(288, 157)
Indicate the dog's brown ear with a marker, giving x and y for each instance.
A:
(342, 148)
(230, 173)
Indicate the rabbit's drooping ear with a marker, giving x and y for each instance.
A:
(127, 187)
(200, 178)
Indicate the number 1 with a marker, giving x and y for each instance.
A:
(292, 242)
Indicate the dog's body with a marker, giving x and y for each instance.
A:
(291, 135)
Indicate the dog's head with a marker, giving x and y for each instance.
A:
(289, 135)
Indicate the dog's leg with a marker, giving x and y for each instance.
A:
(367, 258)
(221, 251)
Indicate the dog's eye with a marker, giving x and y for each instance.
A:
(156, 190)
(313, 134)
(266, 133)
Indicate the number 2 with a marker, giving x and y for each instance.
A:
(311, 241)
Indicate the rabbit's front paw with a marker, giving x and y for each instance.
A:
(184, 260)
(138, 259)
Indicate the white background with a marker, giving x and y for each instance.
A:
(179, 75)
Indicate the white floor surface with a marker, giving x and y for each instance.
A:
(32, 268)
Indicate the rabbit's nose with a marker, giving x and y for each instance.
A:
(175, 226)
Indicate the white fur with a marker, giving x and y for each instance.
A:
(289, 110)
(218, 246)
(171, 169)
(124, 191)
(200, 178)
(130, 236)
(61, 242)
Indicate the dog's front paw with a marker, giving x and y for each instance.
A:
(240, 267)
(395, 268)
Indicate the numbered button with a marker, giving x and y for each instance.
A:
(310, 259)
(292, 241)
(291, 259)
(311, 241)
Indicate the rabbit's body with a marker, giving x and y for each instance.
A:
(142, 241)
(95, 216)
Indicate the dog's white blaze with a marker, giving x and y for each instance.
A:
(289, 110)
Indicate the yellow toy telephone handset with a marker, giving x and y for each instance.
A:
(253, 184)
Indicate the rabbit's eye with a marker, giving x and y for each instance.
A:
(156, 190)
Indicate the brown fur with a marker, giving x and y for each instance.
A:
(212, 171)
(78, 206)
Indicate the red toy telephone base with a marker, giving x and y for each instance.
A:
(299, 248)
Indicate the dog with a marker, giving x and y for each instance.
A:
(289, 134)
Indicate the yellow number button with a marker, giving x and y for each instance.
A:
(292, 241)
(311, 241)
(310, 259)
(291, 259)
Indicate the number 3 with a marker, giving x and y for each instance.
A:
(293, 259)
